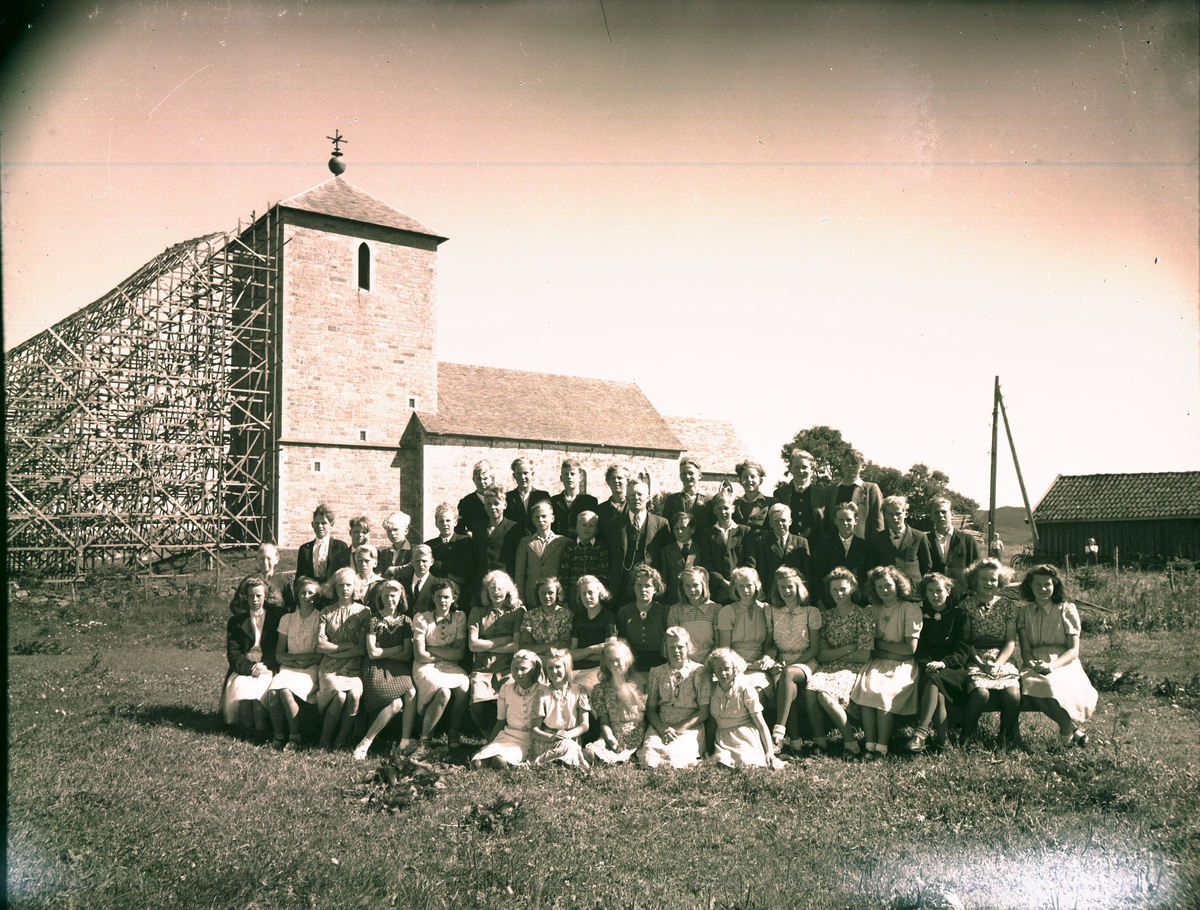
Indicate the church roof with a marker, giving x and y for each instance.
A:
(1117, 497)
(713, 443)
(342, 199)
(493, 403)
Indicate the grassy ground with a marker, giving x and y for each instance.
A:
(123, 791)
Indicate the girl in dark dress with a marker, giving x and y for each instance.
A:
(942, 656)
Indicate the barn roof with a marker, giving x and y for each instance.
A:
(342, 199)
(493, 403)
(1117, 497)
(713, 443)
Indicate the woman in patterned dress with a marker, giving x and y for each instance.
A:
(388, 688)
(619, 704)
(796, 630)
(992, 638)
(341, 639)
(847, 638)
(887, 685)
(547, 622)
(1053, 679)
(439, 645)
(677, 700)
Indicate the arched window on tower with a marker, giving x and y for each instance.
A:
(364, 267)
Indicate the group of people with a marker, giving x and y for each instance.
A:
(576, 631)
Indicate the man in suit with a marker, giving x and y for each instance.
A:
(676, 555)
(689, 499)
(494, 542)
(417, 578)
(451, 550)
(721, 548)
(323, 555)
(471, 508)
(777, 546)
(395, 526)
(841, 548)
(570, 503)
(864, 494)
(518, 502)
(802, 497)
(634, 537)
(951, 551)
(899, 545)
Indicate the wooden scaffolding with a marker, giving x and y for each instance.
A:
(141, 429)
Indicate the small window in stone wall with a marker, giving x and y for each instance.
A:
(412, 403)
(362, 435)
(364, 267)
(316, 467)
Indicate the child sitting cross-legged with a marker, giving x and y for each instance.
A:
(563, 711)
(516, 714)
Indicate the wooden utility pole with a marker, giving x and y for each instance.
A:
(991, 534)
(1016, 464)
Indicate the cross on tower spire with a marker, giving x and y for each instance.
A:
(335, 163)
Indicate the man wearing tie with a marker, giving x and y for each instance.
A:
(417, 579)
(634, 537)
(899, 545)
(951, 551)
(842, 548)
(777, 546)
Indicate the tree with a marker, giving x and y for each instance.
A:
(826, 446)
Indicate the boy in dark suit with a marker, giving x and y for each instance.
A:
(677, 555)
(519, 502)
(570, 503)
(451, 550)
(617, 477)
(864, 494)
(951, 551)
(323, 555)
(841, 548)
(777, 546)
(802, 496)
(395, 526)
(689, 499)
(417, 579)
(720, 549)
(471, 508)
(899, 545)
(494, 542)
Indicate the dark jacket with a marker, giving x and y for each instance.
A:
(769, 555)
(239, 639)
(452, 559)
(471, 511)
(721, 557)
(963, 551)
(516, 510)
(339, 558)
(625, 550)
(567, 516)
(830, 553)
(910, 556)
(497, 550)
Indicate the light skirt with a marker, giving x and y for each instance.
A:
(330, 684)
(738, 746)
(239, 688)
(599, 751)
(888, 685)
(443, 674)
(1068, 685)
(511, 744)
(301, 683)
(682, 752)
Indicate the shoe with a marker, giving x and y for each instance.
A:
(778, 735)
(360, 754)
(452, 741)
(916, 745)
(870, 755)
(1079, 738)
(292, 745)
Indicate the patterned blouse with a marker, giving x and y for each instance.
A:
(343, 626)
(628, 722)
(678, 694)
(547, 627)
(390, 632)
(793, 630)
(990, 621)
(857, 628)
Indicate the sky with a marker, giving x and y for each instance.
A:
(777, 214)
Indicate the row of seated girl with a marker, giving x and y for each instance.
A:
(846, 658)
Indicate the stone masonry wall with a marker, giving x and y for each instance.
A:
(351, 482)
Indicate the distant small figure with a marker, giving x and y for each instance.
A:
(997, 549)
(1091, 552)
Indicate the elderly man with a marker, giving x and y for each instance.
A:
(951, 551)
(472, 510)
(634, 536)
(802, 496)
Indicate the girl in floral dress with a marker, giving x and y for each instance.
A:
(388, 688)
(547, 623)
(742, 734)
(992, 639)
(847, 639)
(439, 645)
(887, 685)
(1053, 679)
(696, 612)
(796, 631)
(619, 704)
(562, 715)
(677, 700)
(341, 639)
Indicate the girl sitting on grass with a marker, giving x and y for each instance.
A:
(742, 734)
(887, 685)
(1053, 679)
(697, 612)
(341, 639)
(992, 640)
(619, 703)
(439, 644)
(516, 715)
(388, 687)
(942, 657)
(847, 639)
(250, 637)
(296, 651)
(796, 631)
(562, 715)
(677, 700)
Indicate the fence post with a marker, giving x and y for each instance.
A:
(1117, 559)
(1068, 567)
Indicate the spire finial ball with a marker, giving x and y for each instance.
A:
(338, 166)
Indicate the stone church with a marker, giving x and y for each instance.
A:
(369, 420)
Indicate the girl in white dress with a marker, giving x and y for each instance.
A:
(296, 651)
(742, 734)
(516, 714)
(439, 644)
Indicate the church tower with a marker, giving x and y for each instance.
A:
(356, 352)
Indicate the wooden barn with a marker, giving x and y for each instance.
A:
(1145, 516)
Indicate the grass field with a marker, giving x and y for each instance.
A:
(124, 791)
